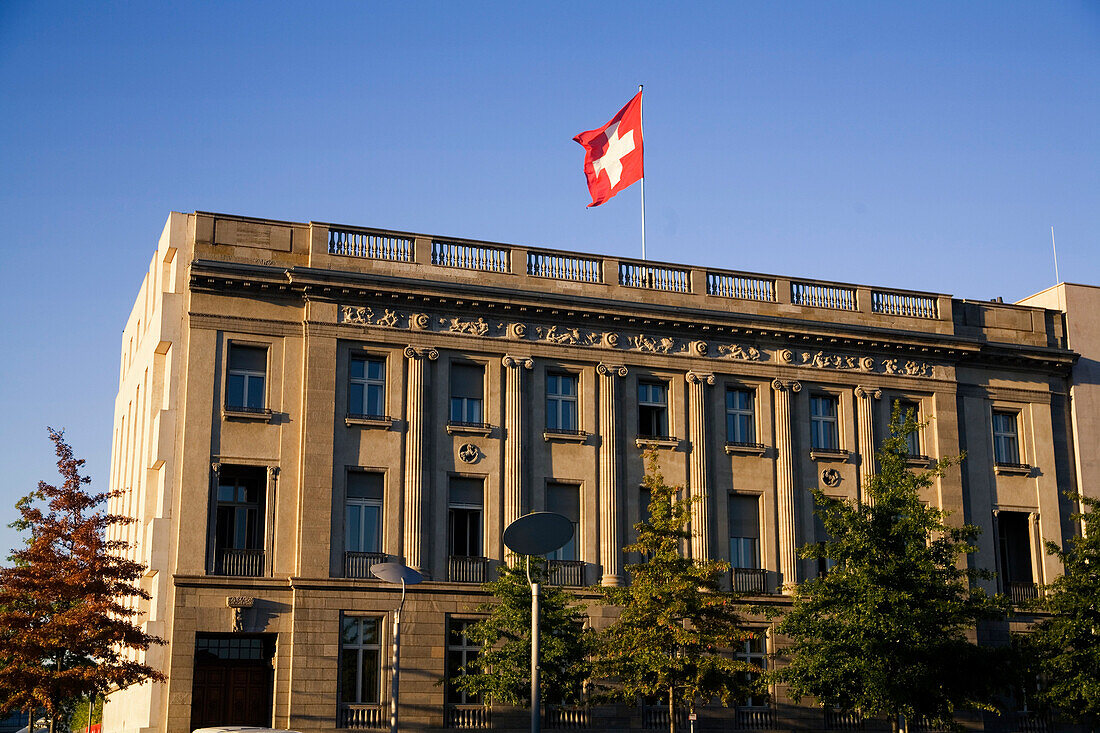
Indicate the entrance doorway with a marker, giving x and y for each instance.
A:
(233, 681)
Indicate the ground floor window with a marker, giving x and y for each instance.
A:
(361, 660)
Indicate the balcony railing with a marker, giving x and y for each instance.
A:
(566, 717)
(565, 573)
(239, 563)
(652, 277)
(820, 295)
(903, 304)
(843, 719)
(471, 256)
(564, 267)
(466, 716)
(749, 580)
(364, 717)
(1021, 593)
(372, 245)
(655, 717)
(745, 287)
(755, 718)
(358, 564)
(464, 569)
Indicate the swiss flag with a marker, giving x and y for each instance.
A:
(613, 153)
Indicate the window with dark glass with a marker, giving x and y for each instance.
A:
(653, 409)
(744, 531)
(821, 536)
(361, 660)
(367, 387)
(565, 499)
(247, 375)
(824, 432)
(1014, 535)
(363, 512)
(740, 417)
(467, 392)
(461, 651)
(464, 517)
(561, 402)
(1006, 445)
(755, 652)
(239, 520)
(912, 439)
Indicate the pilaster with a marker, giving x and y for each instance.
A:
(785, 503)
(611, 538)
(513, 435)
(865, 402)
(697, 468)
(415, 472)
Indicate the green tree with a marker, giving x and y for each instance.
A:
(502, 670)
(1065, 647)
(67, 618)
(886, 631)
(676, 628)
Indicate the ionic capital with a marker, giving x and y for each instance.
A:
(873, 393)
(698, 377)
(793, 385)
(413, 352)
(513, 362)
(611, 370)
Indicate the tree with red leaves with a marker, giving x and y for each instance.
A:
(68, 622)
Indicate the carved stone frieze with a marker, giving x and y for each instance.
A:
(651, 344)
(738, 352)
(568, 336)
(476, 327)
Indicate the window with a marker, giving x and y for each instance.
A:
(565, 499)
(247, 373)
(744, 524)
(912, 440)
(363, 512)
(755, 652)
(653, 409)
(821, 536)
(740, 419)
(367, 387)
(824, 434)
(464, 518)
(1006, 446)
(1015, 539)
(467, 390)
(239, 521)
(461, 651)
(561, 402)
(361, 660)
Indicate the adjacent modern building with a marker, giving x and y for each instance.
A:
(300, 401)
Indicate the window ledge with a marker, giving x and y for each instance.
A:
(469, 428)
(370, 421)
(832, 454)
(565, 436)
(918, 461)
(745, 449)
(647, 441)
(259, 414)
(1012, 469)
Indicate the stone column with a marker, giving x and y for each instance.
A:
(413, 544)
(784, 467)
(697, 469)
(513, 435)
(611, 500)
(865, 400)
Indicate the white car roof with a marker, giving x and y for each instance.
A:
(241, 728)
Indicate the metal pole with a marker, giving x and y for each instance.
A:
(396, 659)
(643, 168)
(535, 701)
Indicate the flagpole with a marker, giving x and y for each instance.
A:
(641, 133)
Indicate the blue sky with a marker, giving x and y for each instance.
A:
(919, 145)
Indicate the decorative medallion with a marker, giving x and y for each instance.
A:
(469, 453)
(830, 477)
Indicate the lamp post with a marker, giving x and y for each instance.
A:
(537, 533)
(396, 572)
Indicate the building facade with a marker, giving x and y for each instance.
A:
(300, 401)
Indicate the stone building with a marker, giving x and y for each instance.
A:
(299, 401)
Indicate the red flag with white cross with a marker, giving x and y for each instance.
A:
(613, 153)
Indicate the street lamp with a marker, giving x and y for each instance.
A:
(537, 533)
(396, 572)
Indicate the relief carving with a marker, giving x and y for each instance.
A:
(643, 342)
(568, 336)
(355, 314)
(611, 339)
(518, 330)
(457, 325)
(741, 353)
(420, 321)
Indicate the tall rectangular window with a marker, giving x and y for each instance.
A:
(653, 409)
(755, 652)
(565, 499)
(824, 433)
(461, 651)
(363, 512)
(912, 439)
(740, 417)
(464, 518)
(744, 524)
(821, 536)
(239, 521)
(467, 392)
(1014, 534)
(1006, 446)
(367, 387)
(561, 402)
(361, 660)
(246, 376)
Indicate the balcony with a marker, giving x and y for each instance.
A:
(565, 573)
(358, 564)
(466, 716)
(464, 569)
(568, 717)
(1021, 593)
(363, 717)
(239, 563)
(1007, 468)
(753, 581)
